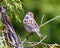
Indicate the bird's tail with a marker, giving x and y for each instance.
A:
(39, 34)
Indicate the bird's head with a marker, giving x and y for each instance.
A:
(29, 15)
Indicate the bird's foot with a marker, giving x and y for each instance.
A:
(27, 37)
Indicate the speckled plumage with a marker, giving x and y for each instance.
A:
(30, 24)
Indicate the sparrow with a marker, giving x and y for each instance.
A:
(30, 24)
(8, 26)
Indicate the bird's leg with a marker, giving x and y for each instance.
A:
(27, 37)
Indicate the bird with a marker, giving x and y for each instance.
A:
(8, 26)
(30, 24)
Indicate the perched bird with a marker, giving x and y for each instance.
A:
(8, 26)
(30, 24)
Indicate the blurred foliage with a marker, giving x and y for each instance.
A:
(3, 43)
(15, 12)
(16, 9)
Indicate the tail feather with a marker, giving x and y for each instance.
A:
(39, 34)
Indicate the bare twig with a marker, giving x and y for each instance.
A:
(36, 43)
(45, 44)
(42, 19)
(49, 21)
(24, 40)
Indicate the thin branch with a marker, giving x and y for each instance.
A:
(49, 21)
(36, 43)
(24, 40)
(27, 37)
(43, 44)
(42, 19)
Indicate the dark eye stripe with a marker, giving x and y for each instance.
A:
(30, 14)
(25, 21)
(26, 18)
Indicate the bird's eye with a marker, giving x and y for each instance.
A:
(25, 21)
(30, 14)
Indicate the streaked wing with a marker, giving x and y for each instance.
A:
(31, 23)
(35, 24)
